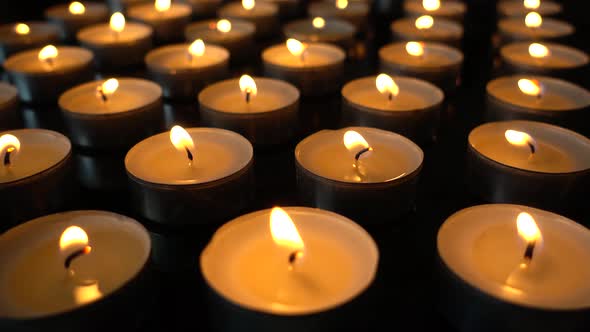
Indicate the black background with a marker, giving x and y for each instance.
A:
(405, 285)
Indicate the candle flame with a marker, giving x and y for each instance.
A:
(283, 230)
(341, 4)
(108, 87)
(77, 8)
(197, 48)
(386, 85)
(530, 87)
(181, 139)
(533, 20)
(22, 29)
(431, 5)
(48, 53)
(223, 26)
(354, 142)
(537, 50)
(520, 138)
(117, 22)
(424, 22)
(527, 227)
(532, 4)
(162, 5)
(248, 86)
(318, 23)
(73, 238)
(9, 144)
(415, 48)
(296, 47)
(248, 4)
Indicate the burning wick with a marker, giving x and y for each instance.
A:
(285, 235)
(520, 138)
(297, 48)
(353, 141)
(117, 24)
(293, 257)
(107, 88)
(248, 87)
(386, 85)
(84, 251)
(529, 231)
(182, 140)
(10, 145)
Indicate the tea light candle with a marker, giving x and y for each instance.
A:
(509, 8)
(264, 15)
(72, 17)
(182, 70)
(77, 270)
(9, 117)
(109, 41)
(427, 28)
(36, 168)
(204, 8)
(196, 176)
(94, 111)
(18, 37)
(316, 68)
(533, 27)
(545, 59)
(407, 106)
(538, 98)
(315, 266)
(451, 10)
(355, 12)
(525, 265)
(264, 110)
(528, 162)
(41, 75)
(433, 62)
(236, 36)
(318, 29)
(166, 18)
(366, 174)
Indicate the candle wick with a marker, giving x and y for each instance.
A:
(390, 97)
(189, 154)
(116, 35)
(76, 254)
(49, 62)
(532, 147)
(302, 57)
(7, 156)
(102, 95)
(528, 253)
(294, 257)
(248, 92)
(357, 156)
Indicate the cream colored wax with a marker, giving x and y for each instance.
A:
(33, 279)
(325, 155)
(550, 28)
(102, 34)
(148, 13)
(316, 55)
(435, 55)
(482, 246)
(446, 9)
(442, 29)
(208, 32)
(559, 57)
(176, 58)
(558, 150)
(236, 10)
(516, 8)
(40, 150)
(244, 265)
(557, 95)
(131, 95)
(217, 154)
(226, 96)
(68, 58)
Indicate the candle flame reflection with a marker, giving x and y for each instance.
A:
(415, 48)
(9, 148)
(283, 230)
(532, 4)
(318, 23)
(162, 5)
(537, 50)
(22, 29)
(87, 293)
(533, 20)
(223, 26)
(431, 5)
(77, 8)
(341, 4)
(424, 22)
(248, 4)
(117, 22)
(530, 87)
